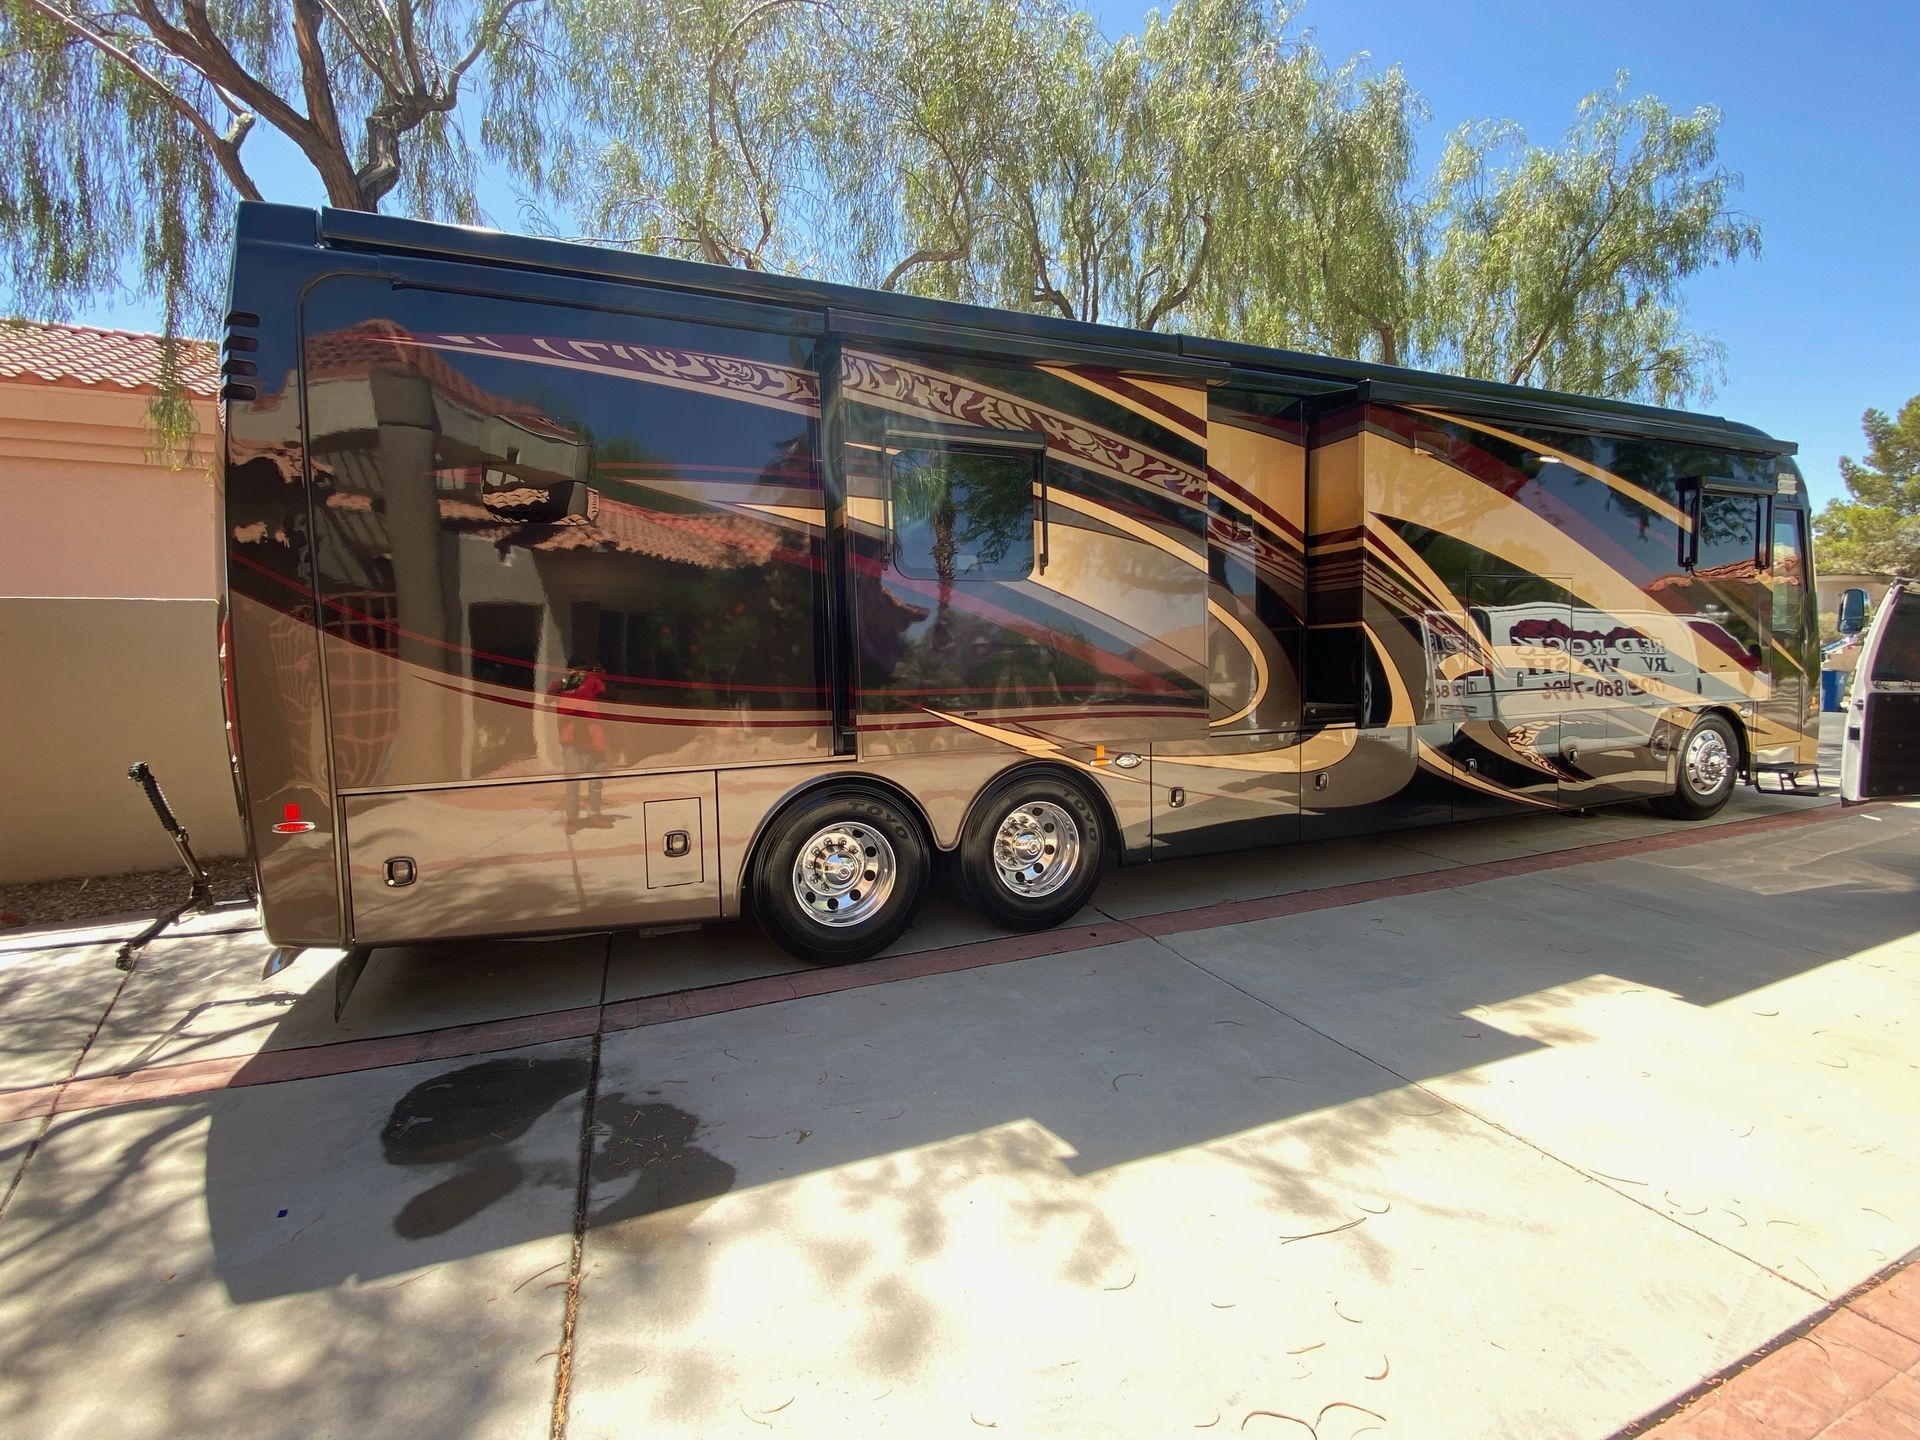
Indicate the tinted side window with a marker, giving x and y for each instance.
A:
(961, 513)
(523, 505)
(1899, 655)
(1729, 533)
(1789, 572)
(1731, 600)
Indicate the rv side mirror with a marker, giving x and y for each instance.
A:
(1852, 618)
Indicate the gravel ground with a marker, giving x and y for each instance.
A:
(61, 902)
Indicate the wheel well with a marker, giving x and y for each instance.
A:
(873, 784)
(1095, 793)
(1744, 759)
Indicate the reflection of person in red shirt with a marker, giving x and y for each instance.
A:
(583, 738)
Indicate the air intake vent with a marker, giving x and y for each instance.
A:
(236, 374)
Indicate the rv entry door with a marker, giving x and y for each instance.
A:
(1880, 757)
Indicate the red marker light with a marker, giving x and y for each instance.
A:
(292, 824)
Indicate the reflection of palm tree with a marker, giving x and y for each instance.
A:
(973, 502)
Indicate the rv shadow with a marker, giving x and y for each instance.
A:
(1118, 1054)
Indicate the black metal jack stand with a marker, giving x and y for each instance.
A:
(200, 899)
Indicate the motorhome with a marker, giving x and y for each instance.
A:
(575, 589)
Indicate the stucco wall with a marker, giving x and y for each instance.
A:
(91, 686)
(109, 569)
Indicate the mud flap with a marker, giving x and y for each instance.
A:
(280, 959)
(346, 975)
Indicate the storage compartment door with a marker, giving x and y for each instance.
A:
(528, 859)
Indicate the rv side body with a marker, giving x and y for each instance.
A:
(797, 535)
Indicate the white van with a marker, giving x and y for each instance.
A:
(1880, 758)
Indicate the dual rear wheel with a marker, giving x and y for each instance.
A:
(841, 873)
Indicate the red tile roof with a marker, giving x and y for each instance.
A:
(38, 353)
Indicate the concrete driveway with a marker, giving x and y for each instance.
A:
(1516, 1129)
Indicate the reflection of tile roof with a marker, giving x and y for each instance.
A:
(39, 353)
(1733, 570)
(713, 542)
(359, 350)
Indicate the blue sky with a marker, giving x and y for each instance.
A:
(1822, 118)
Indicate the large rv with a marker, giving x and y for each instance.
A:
(574, 589)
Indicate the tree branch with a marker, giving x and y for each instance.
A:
(1557, 315)
(1174, 299)
(226, 148)
(405, 107)
(487, 34)
(336, 171)
(402, 27)
(367, 57)
(200, 47)
(1389, 351)
(923, 256)
(964, 225)
(1042, 283)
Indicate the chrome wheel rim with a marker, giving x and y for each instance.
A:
(1709, 763)
(1037, 849)
(844, 874)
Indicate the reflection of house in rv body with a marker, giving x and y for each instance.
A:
(507, 478)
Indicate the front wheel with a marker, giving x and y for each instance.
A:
(1706, 768)
(839, 877)
(1032, 853)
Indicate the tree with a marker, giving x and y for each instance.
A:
(705, 122)
(1212, 173)
(1877, 530)
(1095, 180)
(958, 95)
(126, 125)
(1323, 233)
(1563, 267)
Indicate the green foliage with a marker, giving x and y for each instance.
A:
(1877, 530)
(696, 124)
(126, 129)
(1213, 173)
(1562, 267)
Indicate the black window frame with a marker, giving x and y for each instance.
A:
(996, 443)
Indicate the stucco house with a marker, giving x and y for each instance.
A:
(1831, 587)
(109, 573)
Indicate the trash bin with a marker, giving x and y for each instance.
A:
(1831, 683)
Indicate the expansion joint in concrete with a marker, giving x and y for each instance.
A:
(582, 1198)
(46, 1120)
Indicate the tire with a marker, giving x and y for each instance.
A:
(1032, 853)
(1705, 768)
(839, 876)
